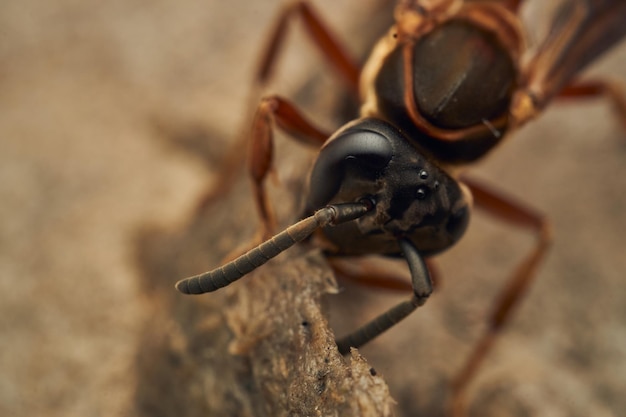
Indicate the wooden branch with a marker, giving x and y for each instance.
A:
(261, 347)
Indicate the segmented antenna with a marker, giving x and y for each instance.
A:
(249, 261)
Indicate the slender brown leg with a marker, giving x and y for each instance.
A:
(611, 90)
(513, 5)
(323, 38)
(378, 273)
(515, 213)
(274, 111)
(325, 41)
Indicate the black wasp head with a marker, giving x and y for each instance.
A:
(414, 198)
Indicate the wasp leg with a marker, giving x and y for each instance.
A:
(274, 111)
(611, 90)
(422, 288)
(513, 212)
(379, 273)
(325, 41)
(512, 5)
(332, 50)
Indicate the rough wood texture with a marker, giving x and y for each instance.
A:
(261, 348)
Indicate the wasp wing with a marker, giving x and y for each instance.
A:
(580, 32)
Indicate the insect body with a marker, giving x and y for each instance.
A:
(439, 92)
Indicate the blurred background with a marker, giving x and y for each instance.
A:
(91, 95)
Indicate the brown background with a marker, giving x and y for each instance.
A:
(88, 92)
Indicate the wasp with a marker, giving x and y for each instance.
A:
(447, 83)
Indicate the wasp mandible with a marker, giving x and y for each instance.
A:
(443, 88)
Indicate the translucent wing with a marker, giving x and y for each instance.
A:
(581, 31)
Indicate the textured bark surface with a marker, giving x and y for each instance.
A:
(260, 348)
(91, 96)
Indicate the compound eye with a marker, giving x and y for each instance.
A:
(357, 152)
